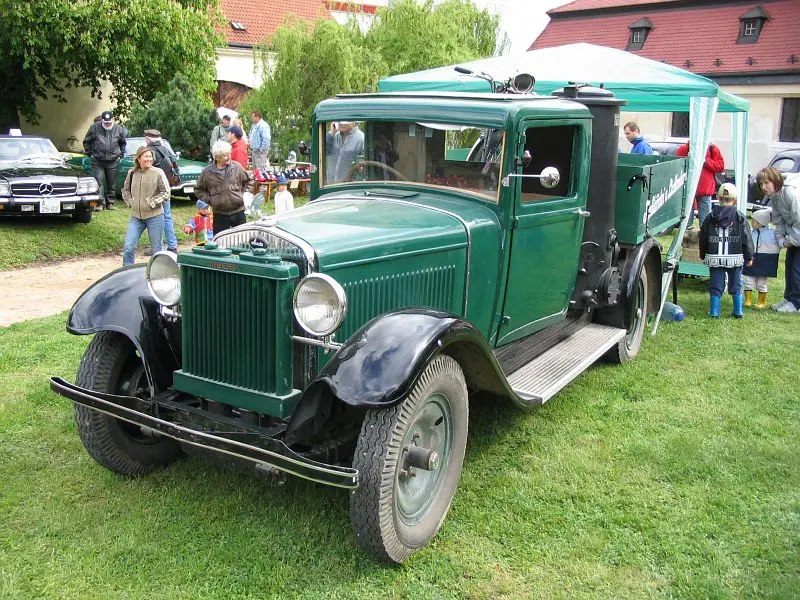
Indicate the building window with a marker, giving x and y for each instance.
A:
(237, 26)
(790, 120)
(750, 25)
(680, 124)
(639, 31)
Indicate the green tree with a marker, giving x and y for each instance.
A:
(413, 36)
(311, 63)
(183, 115)
(47, 46)
(306, 64)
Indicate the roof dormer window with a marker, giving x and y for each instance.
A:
(639, 31)
(237, 26)
(750, 25)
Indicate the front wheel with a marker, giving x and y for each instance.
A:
(635, 320)
(82, 216)
(409, 459)
(111, 365)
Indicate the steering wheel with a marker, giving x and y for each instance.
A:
(374, 163)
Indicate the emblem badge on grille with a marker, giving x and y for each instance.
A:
(45, 189)
(256, 242)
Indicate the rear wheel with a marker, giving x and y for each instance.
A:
(635, 320)
(111, 365)
(409, 459)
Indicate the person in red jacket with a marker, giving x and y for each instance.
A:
(238, 145)
(707, 185)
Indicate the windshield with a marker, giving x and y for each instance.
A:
(133, 144)
(28, 151)
(463, 157)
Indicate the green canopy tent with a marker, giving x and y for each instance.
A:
(646, 85)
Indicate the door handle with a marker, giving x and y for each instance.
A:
(583, 213)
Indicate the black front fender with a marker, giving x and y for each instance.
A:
(121, 302)
(380, 363)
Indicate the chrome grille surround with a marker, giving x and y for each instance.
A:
(288, 246)
(30, 188)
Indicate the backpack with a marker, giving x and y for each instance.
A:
(166, 164)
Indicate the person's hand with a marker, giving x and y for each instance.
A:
(787, 244)
(187, 230)
(749, 263)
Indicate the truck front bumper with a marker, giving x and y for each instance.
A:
(261, 449)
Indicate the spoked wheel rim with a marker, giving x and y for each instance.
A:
(635, 328)
(132, 381)
(424, 458)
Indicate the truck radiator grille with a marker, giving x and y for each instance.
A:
(425, 288)
(231, 324)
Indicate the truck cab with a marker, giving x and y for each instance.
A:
(453, 244)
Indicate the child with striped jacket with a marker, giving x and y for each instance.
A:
(725, 247)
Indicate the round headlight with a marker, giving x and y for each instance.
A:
(163, 278)
(320, 304)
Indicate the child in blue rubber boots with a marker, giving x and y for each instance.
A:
(726, 246)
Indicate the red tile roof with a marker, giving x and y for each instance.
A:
(704, 36)
(604, 4)
(262, 17)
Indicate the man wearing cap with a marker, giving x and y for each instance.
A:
(220, 132)
(104, 143)
(260, 141)
(238, 145)
(166, 160)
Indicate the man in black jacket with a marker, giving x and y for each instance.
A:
(105, 145)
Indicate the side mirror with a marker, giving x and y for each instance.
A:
(523, 83)
(303, 148)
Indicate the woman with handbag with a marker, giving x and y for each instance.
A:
(145, 190)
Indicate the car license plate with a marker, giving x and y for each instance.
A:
(188, 190)
(50, 206)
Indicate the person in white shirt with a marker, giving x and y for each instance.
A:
(284, 201)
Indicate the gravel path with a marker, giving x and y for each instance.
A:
(51, 288)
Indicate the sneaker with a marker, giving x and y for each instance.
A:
(787, 308)
(98, 209)
(780, 304)
(173, 249)
(111, 206)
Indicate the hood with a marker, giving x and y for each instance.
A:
(51, 169)
(724, 216)
(357, 228)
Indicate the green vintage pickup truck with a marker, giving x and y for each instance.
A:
(453, 244)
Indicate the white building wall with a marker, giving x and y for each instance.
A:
(61, 121)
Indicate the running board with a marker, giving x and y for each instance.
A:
(546, 375)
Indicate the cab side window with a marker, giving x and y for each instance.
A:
(549, 147)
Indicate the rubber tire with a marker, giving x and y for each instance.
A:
(110, 364)
(82, 216)
(373, 512)
(628, 347)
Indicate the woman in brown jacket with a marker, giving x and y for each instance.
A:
(145, 190)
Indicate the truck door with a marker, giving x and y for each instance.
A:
(547, 229)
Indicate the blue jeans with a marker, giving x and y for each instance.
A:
(792, 291)
(169, 228)
(155, 229)
(703, 208)
(716, 284)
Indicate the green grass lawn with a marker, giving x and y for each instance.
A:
(673, 476)
(28, 240)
